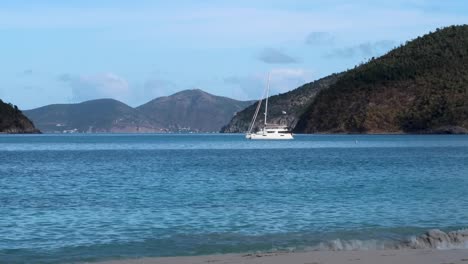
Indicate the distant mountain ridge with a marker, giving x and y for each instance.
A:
(102, 115)
(193, 110)
(13, 121)
(189, 110)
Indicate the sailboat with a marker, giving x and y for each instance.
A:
(269, 131)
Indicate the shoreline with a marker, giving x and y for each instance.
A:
(433, 247)
(414, 256)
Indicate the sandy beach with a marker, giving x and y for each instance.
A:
(459, 256)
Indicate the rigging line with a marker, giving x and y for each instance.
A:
(252, 123)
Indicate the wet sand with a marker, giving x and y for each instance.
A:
(457, 256)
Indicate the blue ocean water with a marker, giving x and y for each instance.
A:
(74, 198)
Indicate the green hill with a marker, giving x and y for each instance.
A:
(283, 108)
(12, 120)
(420, 87)
(103, 115)
(192, 110)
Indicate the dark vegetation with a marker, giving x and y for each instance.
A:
(419, 87)
(12, 120)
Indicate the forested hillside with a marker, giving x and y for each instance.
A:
(12, 120)
(419, 87)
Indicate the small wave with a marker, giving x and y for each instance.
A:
(438, 239)
(432, 239)
(348, 245)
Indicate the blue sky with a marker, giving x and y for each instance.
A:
(134, 51)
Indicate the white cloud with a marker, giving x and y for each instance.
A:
(111, 85)
(281, 80)
(102, 85)
(158, 87)
(286, 79)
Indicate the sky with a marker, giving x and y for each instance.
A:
(54, 51)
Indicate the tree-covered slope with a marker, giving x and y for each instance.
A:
(420, 87)
(12, 120)
(283, 109)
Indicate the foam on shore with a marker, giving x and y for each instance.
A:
(432, 239)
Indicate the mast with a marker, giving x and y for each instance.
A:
(266, 98)
(252, 123)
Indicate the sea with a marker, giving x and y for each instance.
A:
(74, 198)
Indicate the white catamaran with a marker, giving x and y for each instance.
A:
(269, 131)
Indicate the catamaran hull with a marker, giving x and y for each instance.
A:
(274, 136)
